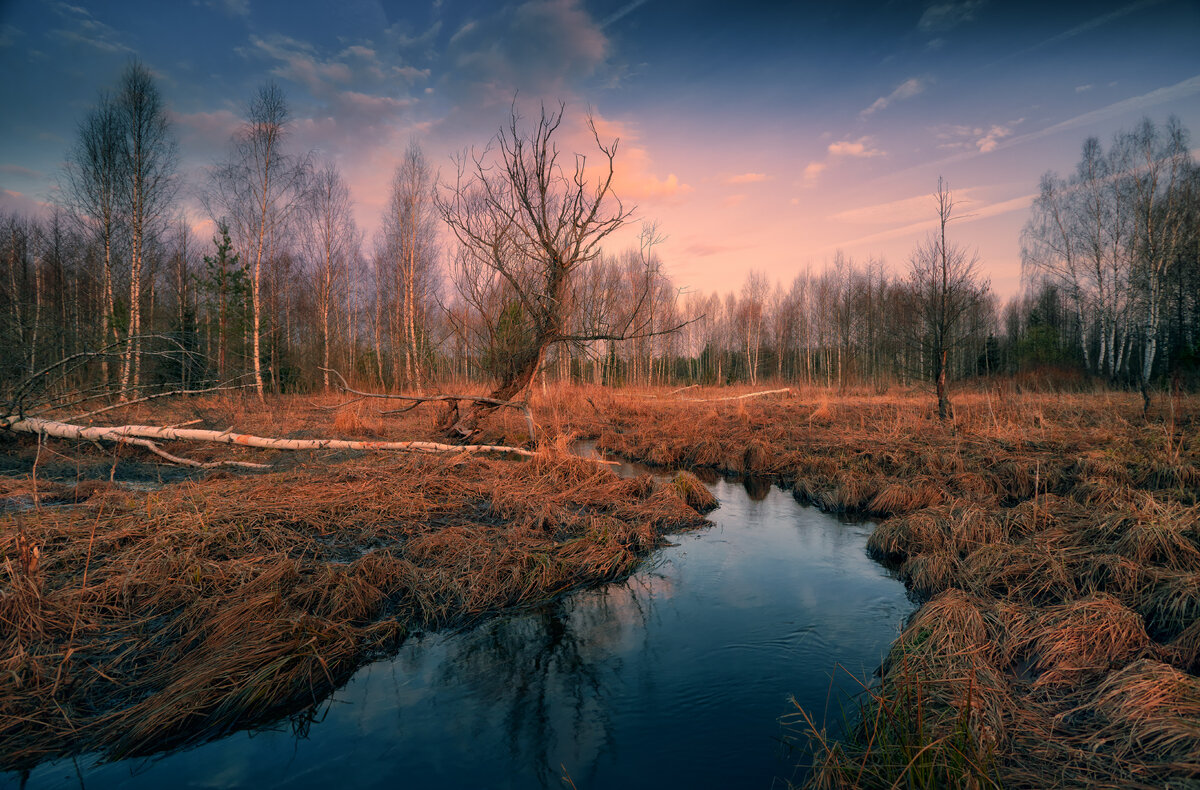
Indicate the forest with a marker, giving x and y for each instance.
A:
(287, 287)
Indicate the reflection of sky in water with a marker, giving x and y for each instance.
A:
(676, 677)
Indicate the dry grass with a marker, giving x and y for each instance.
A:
(138, 620)
(1055, 537)
(1067, 644)
(1147, 709)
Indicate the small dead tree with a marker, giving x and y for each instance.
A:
(944, 290)
(517, 210)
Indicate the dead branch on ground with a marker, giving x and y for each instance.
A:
(453, 400)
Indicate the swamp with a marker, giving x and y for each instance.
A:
(1049, 546)
(599, 393)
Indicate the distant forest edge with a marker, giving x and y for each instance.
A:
(1111, 271)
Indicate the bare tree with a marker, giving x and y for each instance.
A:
(409, 232)
(94, 174)
(519, 211)
(1158, 166)
(331, 241)
(149, 159)
(750, 319)
(257, 189)
(944, 289)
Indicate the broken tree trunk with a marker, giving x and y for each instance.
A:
(491, 402)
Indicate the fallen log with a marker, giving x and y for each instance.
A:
(704, 400)
(143, 436)
(735, 397)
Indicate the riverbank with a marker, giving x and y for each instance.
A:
(140, 614)
(1055, 540)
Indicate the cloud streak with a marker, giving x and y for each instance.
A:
(905, 90)
(1170, 93)
(941, 17)
(746, 178)
(915, 228)
(1091, 24)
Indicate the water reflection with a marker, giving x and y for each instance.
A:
(675, 677)
(757, 488)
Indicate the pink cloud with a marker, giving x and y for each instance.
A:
(746, 178)
(860, 148)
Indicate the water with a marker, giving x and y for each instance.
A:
(676, 677)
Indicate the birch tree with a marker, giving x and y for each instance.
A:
(93, 177)
(257, 189)
(410, 232)
(1157, 163)
(148, 153)
(330, 241)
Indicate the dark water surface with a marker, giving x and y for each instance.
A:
(676, 677)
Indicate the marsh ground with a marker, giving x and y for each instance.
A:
(1055, 541)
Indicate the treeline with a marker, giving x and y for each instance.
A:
(1113, 254)
(116, 280)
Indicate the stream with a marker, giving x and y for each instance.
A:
(677, 676)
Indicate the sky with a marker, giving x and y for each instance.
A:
(759, 136)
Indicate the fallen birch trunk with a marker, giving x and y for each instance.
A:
(735, 397)
(138, 434)
(665, 398)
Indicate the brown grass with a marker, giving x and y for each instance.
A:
(140, 620)
(1055, 536)
(1057, 541)
(1146, 709)
(1068, 643)
(1173, 604)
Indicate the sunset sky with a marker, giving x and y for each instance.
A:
(759, 136)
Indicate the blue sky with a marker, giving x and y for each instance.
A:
(759, 135)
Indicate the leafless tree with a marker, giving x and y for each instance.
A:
(257, 189)
(1158, 165)
(148, 152)
(517, 209)
(944, 289)
(409, 232)
(93, 179)
(330, 238)
(750, 319)
(1111, 238)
